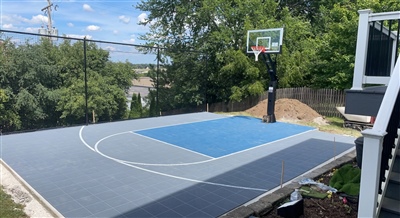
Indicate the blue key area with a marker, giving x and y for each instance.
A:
(220, 137)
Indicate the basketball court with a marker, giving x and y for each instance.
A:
(192, 165)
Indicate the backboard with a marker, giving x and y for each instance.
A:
(271, 39)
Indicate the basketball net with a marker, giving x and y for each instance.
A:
(257, 50)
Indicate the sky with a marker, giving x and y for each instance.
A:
(106, 20)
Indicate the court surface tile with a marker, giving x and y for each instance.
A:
(191, 165)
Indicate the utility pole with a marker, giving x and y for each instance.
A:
(47, 10)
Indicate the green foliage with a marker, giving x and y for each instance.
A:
(318, 46)
(136, 107)
(48, 90)
(347, 179)
(9, 209)
(153, 112)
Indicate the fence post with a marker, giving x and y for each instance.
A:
(86, 88)
(158, 72)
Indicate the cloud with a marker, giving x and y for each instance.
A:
(70, 24)
(92, 28)
(124, 19)
(31, 30)
(115, 32)
(79, 36)
(38, 19)
(110, 48)
(87, 7)
(142, 17)
(7, 26)
(132, 40)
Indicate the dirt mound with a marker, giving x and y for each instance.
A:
(288, 110)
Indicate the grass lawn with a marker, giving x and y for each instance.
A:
(10, 209)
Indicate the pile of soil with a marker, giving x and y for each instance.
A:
(288, 110)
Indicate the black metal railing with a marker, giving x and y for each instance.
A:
(382, 44)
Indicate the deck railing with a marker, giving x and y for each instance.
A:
(372, 150)
(386, 47)
(381, 41)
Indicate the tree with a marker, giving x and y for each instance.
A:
(139, 105)
(208, 33)
(45, 90)
(134, 112)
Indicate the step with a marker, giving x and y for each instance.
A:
(386, 214)
(395, 177)
(396, 166)
(393, 191)
(391, 206)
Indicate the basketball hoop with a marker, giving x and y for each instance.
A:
(257, 50)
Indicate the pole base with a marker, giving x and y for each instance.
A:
(269, 118)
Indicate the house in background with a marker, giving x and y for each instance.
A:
(375, 92)
(143, 85)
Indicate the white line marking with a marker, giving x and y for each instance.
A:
(238, 152)
(145, 164)
(186, 179)
(169, 175)
(82, 140)
(159, 173)
(184, 123)
(176, 146)
(188, 163)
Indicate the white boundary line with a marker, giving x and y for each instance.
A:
(164, 174)
(187, 179)
(82, 140)
(175, 146)
(184, 123)
(189, 163)
(169, 175)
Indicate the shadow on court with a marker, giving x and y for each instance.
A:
(206, 200)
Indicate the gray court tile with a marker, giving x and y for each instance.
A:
(140, 202)
(97, 207)
(107, 213)
(52, 193)
(73, 188)
(60, 199)
(88, 200)
(106, 194)
(199, 214)
(155, 208)
(238, 199)
(198, 203)
(116, 201)
(224, 192)
(212, 198)
(98, 188)
(171, 202)
(138, 213)
(65, 183)
(43, 186)
(68, 206)
(122, 189)
(184, 196)
(169, 214)
(185, 209)
(125, 207)
(80, 212)
(226, 204)
(80, 194)
(213, 209)
(80, 182)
